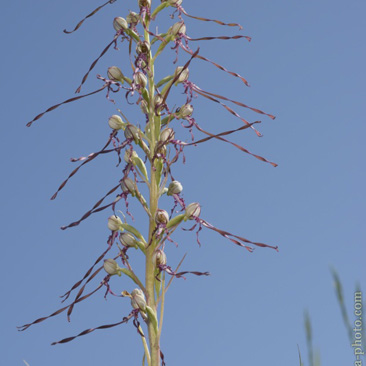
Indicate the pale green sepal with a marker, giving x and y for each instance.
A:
(161, 7)
(152, 317)
(145, 94)
(175, 221)
(132, 34)
(129, 274)
(164, 80)
(133, 231)
(159, 168)
(157, 123)
(142, 167)
(166, 120)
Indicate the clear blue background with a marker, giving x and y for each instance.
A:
(306, 65)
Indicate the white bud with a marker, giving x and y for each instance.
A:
(193, 210)
(130, 156)
(114, 223)
(115, 74)
(132, 18)
(138, 300)
(157, 101)
(144, 107)
(115, 122)
(111, 267)
(172, 2)
(159, 258)
(177, 28)
(184, 111)
(183, 76)
(128, 185)
(167, 135)
(174, 187)
(161, 217)
(119, 23)
(144, 3)
(140, 79)
(132, 132)
(127, 240)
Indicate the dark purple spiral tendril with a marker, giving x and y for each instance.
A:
(88, 16)
(133, 314)
(181, 10)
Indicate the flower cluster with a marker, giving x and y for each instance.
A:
(146, 152)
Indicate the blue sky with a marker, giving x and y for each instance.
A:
(305, 65)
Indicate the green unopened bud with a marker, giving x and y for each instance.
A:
(177, 28)
(184, 111)
(119, 23)
(114, 223)
(115, 122)
(128, 186)
(159, 258)
(144, 3)
(175, 187)
(193, 211)
(130, 156)
(167, 135)
(128, 240)
(144, 107)
(111, 267)
(138, 300)
(161, 217)
(115, 74)
(132, 132)
(133, 18)
(140, 79)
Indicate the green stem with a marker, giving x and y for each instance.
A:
(154, 197)
(146, 348)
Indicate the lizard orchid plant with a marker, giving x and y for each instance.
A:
(146, 156)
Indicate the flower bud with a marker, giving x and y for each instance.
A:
(130, 156)
(144, 3)
(172, 2)
(115, 74)
(114, 223)
(162, 150)
(127, 240)
(132, 132)
(119, 23)
(167, 135)
(132, 18)
(140, 79)
(161, 217)
(115, 122)
(138, 299)
(177, 28)
(174, 187)
(183, 76)
(158, 103)
(159, 258)
(128, 186)
(144, 107)
(111, 267)
(184, 111)
(193, 210)
(143, 48)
